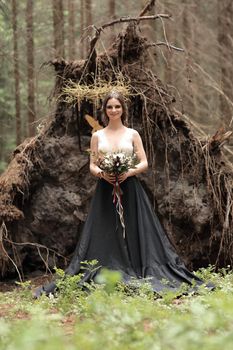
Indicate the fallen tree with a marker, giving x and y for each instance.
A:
(47, 187)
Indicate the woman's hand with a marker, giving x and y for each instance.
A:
(125, 175)
(107, 177)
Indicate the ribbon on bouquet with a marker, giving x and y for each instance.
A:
(117, 193)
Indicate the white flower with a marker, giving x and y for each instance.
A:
(120, 156)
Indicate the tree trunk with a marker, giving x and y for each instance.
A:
(16, 71)
(71, 29)
(112, 15)
(88, 17)
(82, 46)
(58, 29)
(225, 30)
(30, 69)
(88, 14)
(112, 9)
(186, 30)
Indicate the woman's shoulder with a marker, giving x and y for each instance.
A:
(133, 132)
(97, 133)
(130, 130)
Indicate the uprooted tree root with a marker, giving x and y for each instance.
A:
(47, 188)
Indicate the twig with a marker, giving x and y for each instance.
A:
(215, 86)
(148, 7)
(133, 19)
(2, 233)
(159, 43)
(37, 245)
(4, 237)
(122, 20)
(198, 128)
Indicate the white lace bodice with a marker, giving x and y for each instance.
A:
(125, 144)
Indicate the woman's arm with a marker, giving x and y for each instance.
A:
(94, 169)
(141, 155)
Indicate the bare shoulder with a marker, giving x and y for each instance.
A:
(95, 138)
(97, 133)
(134, 133)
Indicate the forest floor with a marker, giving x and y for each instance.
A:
(112, 316)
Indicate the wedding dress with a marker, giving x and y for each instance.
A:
(145, 254)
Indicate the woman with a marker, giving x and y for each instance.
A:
(143, 251)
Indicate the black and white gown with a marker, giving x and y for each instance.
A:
(145, 253)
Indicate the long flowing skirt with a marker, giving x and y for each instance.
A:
(145, 253)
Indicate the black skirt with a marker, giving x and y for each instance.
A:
(145, 253)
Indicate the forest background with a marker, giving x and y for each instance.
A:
(34, 32)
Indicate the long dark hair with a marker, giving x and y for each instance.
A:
(118, 96)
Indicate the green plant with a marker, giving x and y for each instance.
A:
(113, 315)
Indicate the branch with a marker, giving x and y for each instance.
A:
(135, 19)
(200, 130)
(169, 46)
(148, 7)
(122, 20)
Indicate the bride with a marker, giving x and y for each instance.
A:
(144, 251)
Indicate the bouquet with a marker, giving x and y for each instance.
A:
(117, 163)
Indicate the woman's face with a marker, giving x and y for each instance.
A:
(114, 109)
